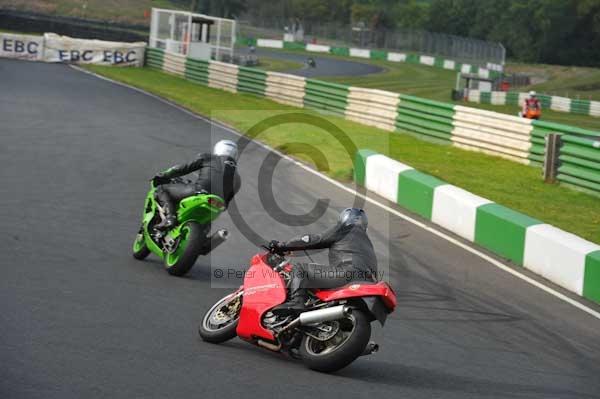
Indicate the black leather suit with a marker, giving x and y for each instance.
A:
(351, 258)
(216, 175)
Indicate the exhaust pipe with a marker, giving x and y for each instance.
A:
(371, 348)
(322, 315)
(218, 238)
(319, 316)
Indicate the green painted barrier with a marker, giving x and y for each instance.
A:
(360, 165)
(326, 96)
(425, 117)
(580, 162)
(502, 230)
(485, 97)
(345, 51)
(512, 98)
(415, 192)
(155, 58)
(379, 55)
(251, 80)
(196, 71)
(591, 279)
(294, 46)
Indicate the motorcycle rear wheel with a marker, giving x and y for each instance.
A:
(342, 349)
(180, 261)
(220, 322)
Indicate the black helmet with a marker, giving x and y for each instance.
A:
(354, 217)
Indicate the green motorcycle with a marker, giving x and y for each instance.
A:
(180, 246)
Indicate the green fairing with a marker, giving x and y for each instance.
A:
(192, 209)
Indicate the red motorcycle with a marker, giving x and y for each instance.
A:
(334, 330)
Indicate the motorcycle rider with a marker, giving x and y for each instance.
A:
(351, 258)
(531, 102)
(217, 174)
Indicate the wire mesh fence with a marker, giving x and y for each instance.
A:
(462, 49)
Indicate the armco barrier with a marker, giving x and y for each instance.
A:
(327, 96)
(580, 162)
(492, 133)
(555, 103)
(561, 257)
(154, 58)
(425, 117)
(285, 89)
(511, 137)
(196, 71)
(223, 76)
(489, 71)
(251, 80)
(372, 107)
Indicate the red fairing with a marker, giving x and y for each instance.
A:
(381, 289)
(263, 289)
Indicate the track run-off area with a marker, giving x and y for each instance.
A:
(80, 318)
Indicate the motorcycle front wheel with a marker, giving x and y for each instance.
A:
(220, 322)
(349, 342)
(140, 249)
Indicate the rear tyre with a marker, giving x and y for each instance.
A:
(342, 349)
(220, 322)
(179, 262)
(140, 250)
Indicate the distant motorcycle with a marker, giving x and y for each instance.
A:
(333, 331)
(181, 245)
(311, 63)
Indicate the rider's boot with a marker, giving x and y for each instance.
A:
(297, 302)
(170, 219)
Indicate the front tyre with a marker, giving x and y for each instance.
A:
(351, 339)
(140, 249)
(181, 260)
(220, 322)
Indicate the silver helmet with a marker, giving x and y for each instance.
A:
(354, 217)
(226, 148)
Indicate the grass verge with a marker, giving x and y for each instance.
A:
(513, 185)
(277, 65)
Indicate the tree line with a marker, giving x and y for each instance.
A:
(544, 31)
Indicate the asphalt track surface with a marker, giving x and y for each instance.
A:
(80, 318)
(325, 66)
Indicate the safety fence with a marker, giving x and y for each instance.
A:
(555, 103)
(559, 256)
(518, 139)
(490, 70)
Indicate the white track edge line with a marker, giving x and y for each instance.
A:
(397, 213)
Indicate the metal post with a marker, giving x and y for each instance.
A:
(217, 53)
(551, 154)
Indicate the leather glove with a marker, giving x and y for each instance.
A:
(159, 179)
(276, 247)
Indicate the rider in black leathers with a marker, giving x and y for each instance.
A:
(217, 174)
(351, 258)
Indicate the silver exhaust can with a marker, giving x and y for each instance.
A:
(322, 315)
